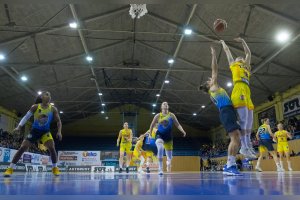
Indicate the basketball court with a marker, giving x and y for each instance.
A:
(110, 74)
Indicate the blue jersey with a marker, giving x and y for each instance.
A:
(42, 118)
(165, 123)
(220, 98)
(263, 132)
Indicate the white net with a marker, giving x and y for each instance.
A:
(137, 10)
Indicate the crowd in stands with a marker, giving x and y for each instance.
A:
(11, 141)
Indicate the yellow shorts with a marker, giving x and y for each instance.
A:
(168, 145)
(46, 137)
(241, 96)
(149, 154)
(262, 149)
(283, 147)
(125, 147)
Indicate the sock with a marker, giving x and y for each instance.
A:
(12, 165)
(230, 161)
(258, 164)
(147, 164)
(289, 164)
(54, 164)
(281, 164)
(278, 165)
(160, 164)
(169, 157)
(142, 161)
(243, 141)
(248, 141)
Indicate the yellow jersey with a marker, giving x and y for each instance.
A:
(240, 72)
(281, 136)
(126, 135)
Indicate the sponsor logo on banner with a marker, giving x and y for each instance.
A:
(291, 107)
(44, 160)
(26, 158)
(68, 153)
(35, 158)
(66, 158)
(6, 155)
(131, 168)
(19, 167)
(88, 157)
(98, 169)
(79, 168)
(89, 154)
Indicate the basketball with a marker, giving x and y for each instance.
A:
(220, 25)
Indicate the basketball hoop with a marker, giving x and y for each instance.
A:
(137, 10)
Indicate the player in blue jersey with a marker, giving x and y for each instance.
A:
(264, 135)
(227, 115)
(43, 113)
(164, 138)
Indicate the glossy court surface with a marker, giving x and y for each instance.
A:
(207, 183)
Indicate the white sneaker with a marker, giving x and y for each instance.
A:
(290, 169)
(247, 153)
(252, 151)
(258, 169)
(279, 169)
(140, 170)
(160, 172)
(169, 166)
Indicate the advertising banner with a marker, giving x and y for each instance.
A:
(291, 107)
(6, 155)
(79, 169)
(27, 158)
(79, 158)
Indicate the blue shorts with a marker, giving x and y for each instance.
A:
(149, 145)
(166, 137)
(266, 143)
(229, 119)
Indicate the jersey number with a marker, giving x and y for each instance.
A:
(262, 130)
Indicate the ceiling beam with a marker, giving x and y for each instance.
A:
(29, 90)
(221, 73)
(148, 68)
(64, 26)
(209, 38)
(270, 57)
(277, 14)
(87, 53)
(191, 14)
(57, 62)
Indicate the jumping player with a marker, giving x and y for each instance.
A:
(227, 116)
(241, 95)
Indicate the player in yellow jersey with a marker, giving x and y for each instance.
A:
(125, 135)
(43, 113)
(241, 95)
(282, 145)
